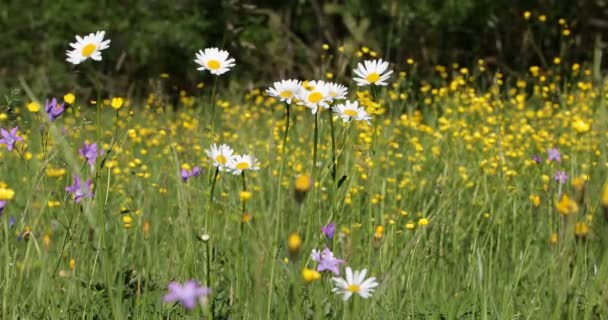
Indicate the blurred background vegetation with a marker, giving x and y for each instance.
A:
(283, 38)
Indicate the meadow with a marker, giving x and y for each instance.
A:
(472, 196)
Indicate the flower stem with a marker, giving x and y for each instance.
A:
(334, 163)
(277, 225)
(210, 241)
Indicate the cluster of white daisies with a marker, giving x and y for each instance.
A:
(312, 94)
(223, 158)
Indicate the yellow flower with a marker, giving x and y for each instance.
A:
(379, 232)
(303, 183)
(127, 221)
(604, 196)
(527, 15)
(410, 226)
(72, 264)
(46, 240)
(554, 238)
(581, 229)
(566, 206)
(579, 182)
(245, 196)
(294, 242)
(246, 217)
(33, 106)
(535, 200)
(69, 98)
(56, 173)
(117, 103)
(581, 126)
(6, 194)
(423, 221)
(310, 275)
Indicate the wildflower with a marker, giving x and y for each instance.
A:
(285, 90)
(72, 264)
(245, 195)
(6, 194)
(329, 230)
(88, 47)
(246, 217)
(535, 199)
(336, 91)
(303, 184)
(188, 294)
(127, 221)
(2, 204)
(581, 126)
(566, 206)
(326, 261)
(215, 60)
(10, 138)
(554, 155)
(581, 230)
(240, 163)
(80, 191)
(186, 174)
(310, 275)
(53, 109)
(561, 177)
(579, 182)
(423, 221)
(536, 159)
(315, 95)
(69, 98)
(379, 233)
(351, 110)
(33, 107)
(117, 103)
(294, 242)
(355, 283)
(220, 156)
(89, 152)
(372, 72)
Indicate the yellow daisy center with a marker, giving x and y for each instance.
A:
(372, 77)
(242, 166)
(350, 112)
(88, 49)
(315, 97)
(221, 159)
(213, 64)
(286, 94)
(354, 288)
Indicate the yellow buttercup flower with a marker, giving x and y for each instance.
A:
(310, 275)
(33, 106)
(69, 98)
(566, 205)
(6, 194)
(117, 103)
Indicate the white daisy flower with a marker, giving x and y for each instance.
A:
(354, 283)
(285, 90)
(314, 95)
(372, 72)
(240, 163)
(336, 91)
(88, 47)
(220, 156)
(351, 110)
(215, 60)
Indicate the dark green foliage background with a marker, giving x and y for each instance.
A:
(272, 39)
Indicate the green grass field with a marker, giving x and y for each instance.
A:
(464, 200)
